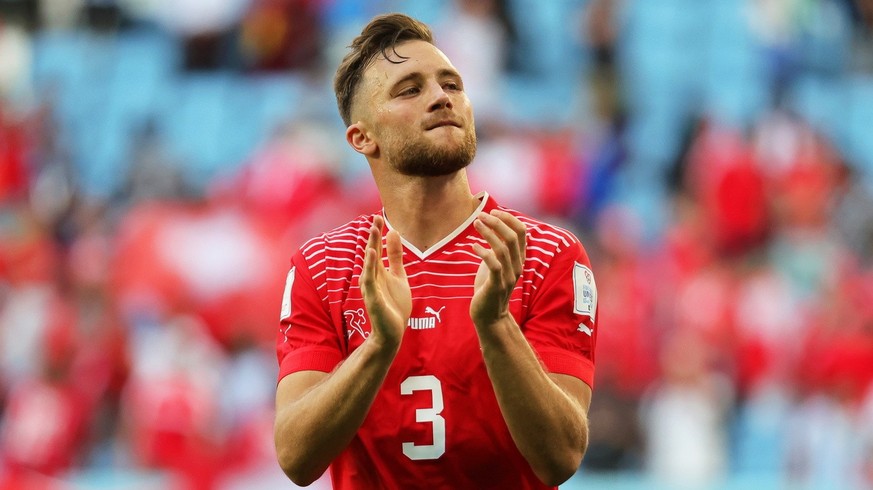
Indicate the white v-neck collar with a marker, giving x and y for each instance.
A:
(483, 196)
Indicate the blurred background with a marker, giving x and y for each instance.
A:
(160, 160)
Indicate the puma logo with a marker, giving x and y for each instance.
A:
(436, 313)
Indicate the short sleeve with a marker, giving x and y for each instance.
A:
(561, 325)
(307, 338)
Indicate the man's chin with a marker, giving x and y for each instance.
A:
(433, 169)
(436, 159)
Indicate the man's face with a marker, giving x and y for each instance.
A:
(417, 111)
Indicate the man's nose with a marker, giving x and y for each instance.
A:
(441, 99)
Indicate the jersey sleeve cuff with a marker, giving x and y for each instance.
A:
(309, 359)
(562, 362)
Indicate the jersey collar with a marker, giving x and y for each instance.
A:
(486, 204)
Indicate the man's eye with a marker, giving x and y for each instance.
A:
(409, 91)
(453, 86)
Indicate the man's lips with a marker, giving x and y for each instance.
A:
(441, 124)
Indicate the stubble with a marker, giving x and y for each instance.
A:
(418, 157)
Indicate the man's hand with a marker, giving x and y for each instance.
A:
(501, 266)
(386, 292)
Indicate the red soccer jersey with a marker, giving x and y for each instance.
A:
(435, 422)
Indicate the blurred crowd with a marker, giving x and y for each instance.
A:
(715, 158)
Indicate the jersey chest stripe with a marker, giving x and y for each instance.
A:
(431, 285)
(537, 259)
(344, 269)
(308, 247)
(453, 262)
(442, 274)
(353, 238)
(362, 223)
(337, 301)
(563, 235)
(341, 259)
(475, 239)
(470, 245)
(313, 255)
(542, 240)
(347, 250)
(346, 279)
(350, 242)
(316, 263)
(534, 272)
(465, 252)
(530, 240)
(442, 297)
(538, 249)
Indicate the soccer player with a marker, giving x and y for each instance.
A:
(445, 341)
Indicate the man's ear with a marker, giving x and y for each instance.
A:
(360, 139)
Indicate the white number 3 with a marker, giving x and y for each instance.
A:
(432, 415)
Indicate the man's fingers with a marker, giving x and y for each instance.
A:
(513, 232)
(503, 240)
(373, 252)
(371, 260)
(375, 240)
(502, 268)
(501, 223)
(489, 258)
(395, 254)
(497, 245)
(516, 226)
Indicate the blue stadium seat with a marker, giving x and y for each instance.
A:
(857, 122)
(192, 117)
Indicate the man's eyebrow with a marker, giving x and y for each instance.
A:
(448, 73)
(417, 76)
(413, 76)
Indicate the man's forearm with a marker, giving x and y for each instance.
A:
(549, 427)
(314, 427)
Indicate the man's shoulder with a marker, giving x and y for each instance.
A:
(544, 234)
(343, 238)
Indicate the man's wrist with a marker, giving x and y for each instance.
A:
(495, 330)
(382, 346)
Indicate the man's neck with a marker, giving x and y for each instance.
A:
(426, 210)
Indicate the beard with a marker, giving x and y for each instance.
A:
(421, 158)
